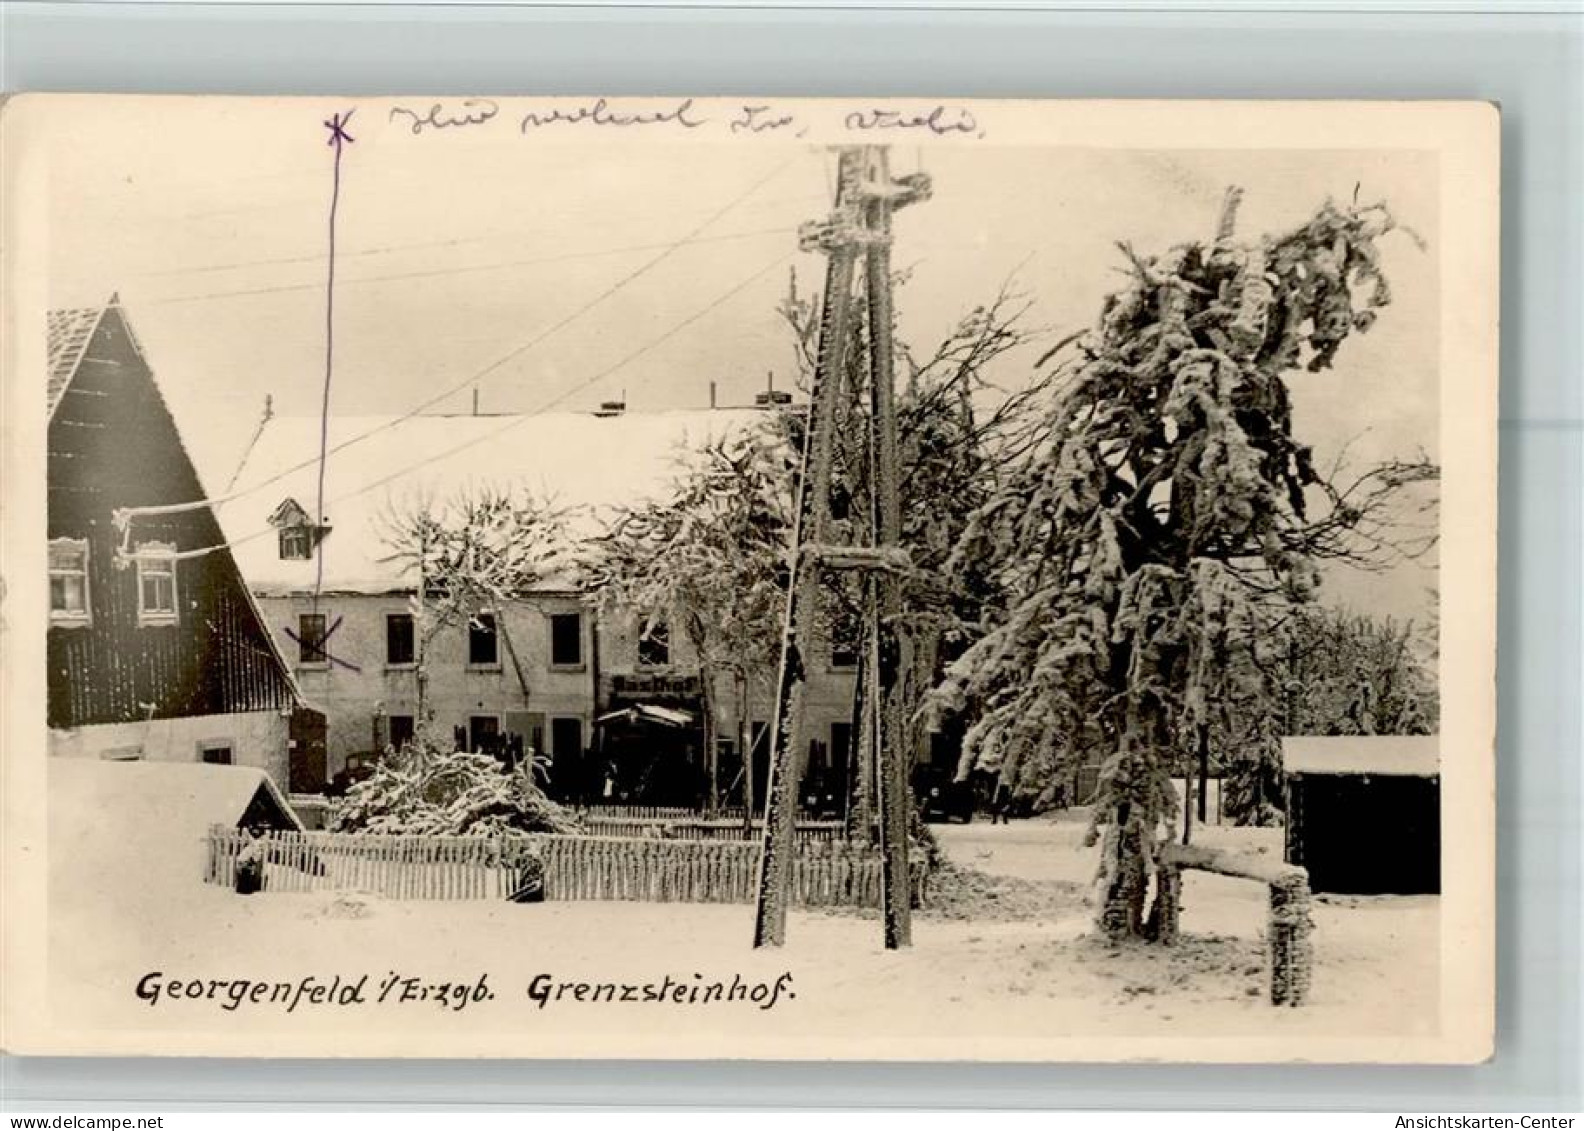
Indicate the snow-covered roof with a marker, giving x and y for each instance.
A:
(69, 331)
(576, 460)
(175, 799)
(667, 716)
(1411, 755)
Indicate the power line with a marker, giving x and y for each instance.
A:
(464, 269)
(510, 355)
(424, 245)
(515, 420)
(512, 422)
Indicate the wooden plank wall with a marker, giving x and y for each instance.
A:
(113, 443)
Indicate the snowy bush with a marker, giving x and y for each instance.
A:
(426, 792)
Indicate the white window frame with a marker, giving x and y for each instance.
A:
(323, 661)
(157, 559)
(412, 622)
(71, 618)
(296, 531)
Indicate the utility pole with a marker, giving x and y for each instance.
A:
(895, 646)
(860, 223)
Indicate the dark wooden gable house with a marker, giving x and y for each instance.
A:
(155, 651)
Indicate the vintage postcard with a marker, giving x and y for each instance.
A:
(749, 578)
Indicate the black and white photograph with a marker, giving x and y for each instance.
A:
(731, 578)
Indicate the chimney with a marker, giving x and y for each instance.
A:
(712, 394)
(475, 400)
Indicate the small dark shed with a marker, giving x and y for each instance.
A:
(1364, 813)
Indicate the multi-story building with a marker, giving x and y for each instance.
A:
(614, 712)
(155, 648)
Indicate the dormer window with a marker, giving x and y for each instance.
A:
(156, 583)
(296, 543)
(299, 535)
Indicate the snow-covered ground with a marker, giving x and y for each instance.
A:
(1004, 966)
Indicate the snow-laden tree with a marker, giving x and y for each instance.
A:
(957, 431)
(1325, 672)
(708, 560)
(470, 556)
(1168, 492)
(427, 791)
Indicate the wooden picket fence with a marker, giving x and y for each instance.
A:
(639, 812)
(700, 829)
(617, 811)
(825, 874)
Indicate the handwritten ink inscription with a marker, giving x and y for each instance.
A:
(601, 113)
(439, 116)
(687, 115)
(939, 120)
(314, 651)
(765, 119)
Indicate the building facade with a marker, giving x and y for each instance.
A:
(155, 647)
(612, 713)
(540, 676)
(523, 671)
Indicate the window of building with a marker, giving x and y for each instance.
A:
(296, 543)
(156, 581)
(483, 734)
(566, 640)
(566, 737)
(483, 642)
(843, 654)
(68, 575)
(401, 730)
(122, 754)
(215, 752)
(654, 645)
(399, 639)
(311, 639)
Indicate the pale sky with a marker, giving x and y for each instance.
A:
(455, 249)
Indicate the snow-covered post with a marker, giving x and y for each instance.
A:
(1166, 911)
(745, 745)
(1288, 926)
(707, 675)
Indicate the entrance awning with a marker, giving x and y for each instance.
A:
(649, 713)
